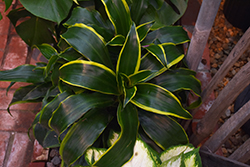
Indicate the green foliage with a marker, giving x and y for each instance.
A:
(113, 66)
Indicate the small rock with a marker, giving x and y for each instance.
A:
(228, 144)
(213, 71)
(217, 56)
(223, 116)
(224, 150)
(234, 140)
(229, 151)
(56, 160)
(223, 58)
(49, 164)
(233, 72)
(213, 60)
(225, 46)
(53, 153)
(245, 137)
(237, 64)
(228, 113)
(214, 65)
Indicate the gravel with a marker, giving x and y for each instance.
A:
(222, 39)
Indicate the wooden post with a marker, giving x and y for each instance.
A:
(204, 23)
(213, 160)
(239, 82)
(228, 129)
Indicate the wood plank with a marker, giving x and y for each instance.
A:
(207, 124)
(204, 23)
(234, 55)
(228, 129)
(242, 154)
(213, 160)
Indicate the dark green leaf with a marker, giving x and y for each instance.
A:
(173, 13)
(150, 38)
(55, 10)
(91, 18)
(137, 10)
(7, 89)
(139, 77)
(89, 43)
(89, 75)
(50, 65)
(47, 50)
(143, 30)
(159, 53)
(173, 82)
(23, 73)
(35, 31)
(129, 57)
(150, 63)
(70, 54)
(75, 106)
(48, 109)
(83, 134)
(45, 137)
(156, 3)
(20, 94)
(129, 94)
(7, 4)
(149, 15)
(119, 14)
(16, 14)
(172, 35)
(162, 129)
(122, 150)
(178, 81)
(158, 100)
(55, 74)
(118, 40)
(37, 92)
(173, 55)
(1, 17)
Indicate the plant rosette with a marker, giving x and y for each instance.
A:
(113, 66)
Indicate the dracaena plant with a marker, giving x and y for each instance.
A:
(113, 66)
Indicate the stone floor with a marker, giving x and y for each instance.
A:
(16, 148)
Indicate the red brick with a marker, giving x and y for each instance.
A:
(3, 41)
(39, 153)
(5, 22)
(17, 53)
(6, 99)
(37, 57)
(204, 77)
(20, 121)
(5, 84)
(204, 107)
(20, 151)
(1, 57)
(205, 63)
(37, 164)
(190, 16)
(4, 140)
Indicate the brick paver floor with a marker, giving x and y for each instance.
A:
(16, 149)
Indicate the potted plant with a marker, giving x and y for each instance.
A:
(115, 84)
